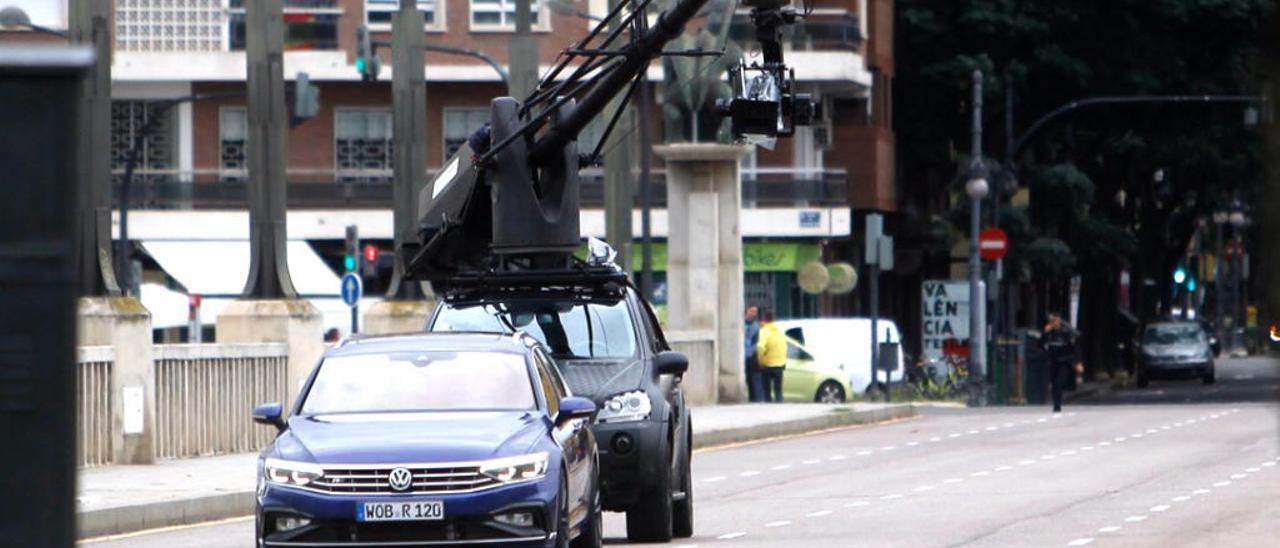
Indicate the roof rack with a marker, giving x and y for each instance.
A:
(581, 280)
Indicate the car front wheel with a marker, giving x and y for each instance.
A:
(651, 518)
(830, 392)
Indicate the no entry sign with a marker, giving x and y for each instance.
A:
(992, 244)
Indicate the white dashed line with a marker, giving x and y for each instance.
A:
(972, 432)
(780, 467)
(811, 461)
(837, 457)
(1104, 443)
(953, 480)
(935, 440)
(1252, 470)
(856, 504)
(891, 497)
(1134, 519)
(1109, 529)
(1182, 498)
(1201, 492)
(923, 488)
(1003, 468)
(781, 523)
(1152, 431)
(749, 473)
(1087, 448)
(863, 453)
(1119, 439)
(1026, 462)
(1042, 420)
(955, 435)
(1269, 463)
(1068, 453)
(817, 514)
(1048, 457)
(992, 428)
(1160, 508)
(888, 448)
(980, 474)
(731, 536)
(1007, 425)
(1080, 541)
(686, 546)
(1238, 476)
(912, 443)
(715, 479)
(1222, 484)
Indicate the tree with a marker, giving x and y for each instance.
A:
(1095, 208)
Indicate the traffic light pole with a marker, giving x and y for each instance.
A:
(268, 120)
(409, 118)
(89, 25)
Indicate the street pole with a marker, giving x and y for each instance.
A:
(268, 120)
(409, 119)
(976, 189)
(646, 198)
(89, 25)
(873, 230)
(1219, 221)
(522, 51)
(618, 193)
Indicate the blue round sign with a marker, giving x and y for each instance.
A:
(351, 289)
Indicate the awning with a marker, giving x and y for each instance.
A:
(221, 267)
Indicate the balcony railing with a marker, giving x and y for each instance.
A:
(822, 30)
(762, 187)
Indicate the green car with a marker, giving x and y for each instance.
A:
(811, 380)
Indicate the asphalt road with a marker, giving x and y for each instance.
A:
(1176, 464)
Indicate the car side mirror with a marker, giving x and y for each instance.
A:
(574, 407)
(670, 362)
(270, 413)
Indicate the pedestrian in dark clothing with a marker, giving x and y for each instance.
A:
(1059, 342)
(751, 330)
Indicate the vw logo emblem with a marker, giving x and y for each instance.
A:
(401, 479)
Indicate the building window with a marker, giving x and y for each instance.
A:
(459, 124)
(382, 12)
(173, 25)
(362, 145)
(501, 15)
(233, 139)
(308, 24)
(155, 153)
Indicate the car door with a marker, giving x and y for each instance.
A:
(799, 378)
(572, 436)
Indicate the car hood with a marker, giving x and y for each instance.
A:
(1174, 350)
(371, 438)
(600, 378)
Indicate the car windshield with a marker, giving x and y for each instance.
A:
(569, 329)
(421, 381)
(1173, 334)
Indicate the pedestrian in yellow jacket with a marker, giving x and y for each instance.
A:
(771, 352)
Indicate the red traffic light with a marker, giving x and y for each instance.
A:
(370, 253)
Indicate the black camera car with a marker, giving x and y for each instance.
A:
(609, 347)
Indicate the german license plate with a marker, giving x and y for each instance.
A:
(407, 510)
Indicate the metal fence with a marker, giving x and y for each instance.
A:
(205, 395)
(93, 405)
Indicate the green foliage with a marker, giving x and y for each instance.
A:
(1049, 258)
(1060, 193)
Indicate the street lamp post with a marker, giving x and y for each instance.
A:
(977, 189)
(1238, 221)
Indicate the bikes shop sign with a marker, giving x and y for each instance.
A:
(945, 315)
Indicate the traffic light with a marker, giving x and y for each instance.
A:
(367, 63)
(1191, 283)
(351, 259)
(370, 253)
(1179, 275)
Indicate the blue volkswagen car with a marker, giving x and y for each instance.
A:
(431, 440)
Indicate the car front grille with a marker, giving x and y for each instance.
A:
(426, 479)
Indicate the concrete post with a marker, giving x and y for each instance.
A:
(704, 203)
(295, 322)
(392, 316)
(124, 324)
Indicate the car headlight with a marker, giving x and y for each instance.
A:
(625, 407)
(524, 467)
(287, 472)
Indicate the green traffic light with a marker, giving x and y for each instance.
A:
(360, 64)
(1179, 276)
(1191, 284)
(349, 262)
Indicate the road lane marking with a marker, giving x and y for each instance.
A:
(837, 457)
(912, 443)
(1007, 425)
(1068, 453)
(888, 448)
(955, 435)
(1182, 498)
(1152, 431)
(972, 432)
(1134, 519)
(1238, 476)
(1048, 457)
(923, 488)
(891, 497)
(863, 453)
(1080, 541)
(731, 536)
(749, 473)
(817, 514)
(953, 480)
(1104, 443)
(1087, 448)
(1026, 462)
(714, 479)
(1269, 463)
(782, 523)
(1119, 439)
(980, 474)
(935, 440)
(1201, 492)
(1003, 468)
(856, 504)
(780, 467)
(1159, 508)
(1252, 470)
(1109, 529)
(811, 461)
(992, 428)
(1222, 484)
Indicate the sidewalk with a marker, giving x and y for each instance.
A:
(123, 499)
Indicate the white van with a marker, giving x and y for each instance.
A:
(847, 342)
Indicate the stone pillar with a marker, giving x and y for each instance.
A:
(395, 316)
(125, 325)
(296, 322)
(704, 251)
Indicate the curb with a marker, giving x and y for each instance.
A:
(1092, 389)
(141, 517)
(835, 419)
(131, 519)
